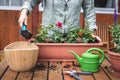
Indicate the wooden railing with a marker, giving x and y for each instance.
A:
(102, 32)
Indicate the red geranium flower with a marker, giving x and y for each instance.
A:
(80, 33)
(59, 24)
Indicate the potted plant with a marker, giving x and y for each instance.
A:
(114, 53)
(55, 47)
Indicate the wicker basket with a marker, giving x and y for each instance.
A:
(21, 56)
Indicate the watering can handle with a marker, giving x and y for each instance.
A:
(99, 50)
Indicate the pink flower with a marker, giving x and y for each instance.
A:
(59, 24)
(80, 33)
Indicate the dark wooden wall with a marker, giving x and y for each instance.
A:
(9, 27)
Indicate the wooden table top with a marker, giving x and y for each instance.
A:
(53, 71)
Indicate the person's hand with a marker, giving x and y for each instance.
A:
(31, 40)
(97, 37)
(23, 17)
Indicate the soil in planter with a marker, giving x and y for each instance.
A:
(113, 50)
(96, 41)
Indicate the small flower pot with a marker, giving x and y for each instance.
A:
(21, 56)
(114, 60)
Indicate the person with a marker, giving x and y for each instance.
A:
(65, 11)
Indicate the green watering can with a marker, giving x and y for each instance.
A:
(90, 62)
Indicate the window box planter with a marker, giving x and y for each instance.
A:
(59, 51)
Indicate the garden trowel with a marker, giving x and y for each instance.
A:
(25, 33)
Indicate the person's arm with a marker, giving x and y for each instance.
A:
(27, 8)
(89, 14)
(30, 4)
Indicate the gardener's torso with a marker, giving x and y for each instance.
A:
(65, 11)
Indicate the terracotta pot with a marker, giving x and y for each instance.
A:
(114, 60)
(21, 56)
(59, 51)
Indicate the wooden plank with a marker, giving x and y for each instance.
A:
(27, 75)
(9, 75)
(84, 77)
(101, 75)
(41, 70)
(55, 71)
(104, 64)
(3, 67)
(107, 57)
(68, 66)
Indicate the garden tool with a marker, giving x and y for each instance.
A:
(78, 72)
(90, 62)
(72, 74)
(25, 33)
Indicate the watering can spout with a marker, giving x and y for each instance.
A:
(79, 59)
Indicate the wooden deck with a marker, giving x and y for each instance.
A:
(53, 71)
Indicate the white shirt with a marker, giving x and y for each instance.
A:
(66, 12)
